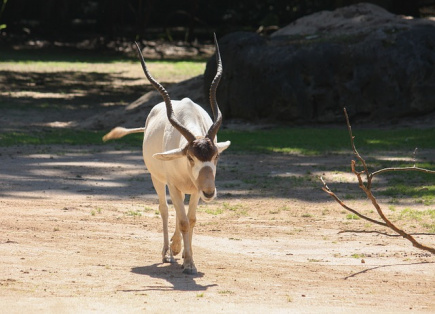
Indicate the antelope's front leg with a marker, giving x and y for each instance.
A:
(160, 188)
(184, 225)
(191, 215)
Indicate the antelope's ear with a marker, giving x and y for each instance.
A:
(223, 146)
(170, 154)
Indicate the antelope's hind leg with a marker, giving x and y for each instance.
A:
(176, 239)
(183, 223)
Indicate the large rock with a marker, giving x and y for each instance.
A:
(361, 57)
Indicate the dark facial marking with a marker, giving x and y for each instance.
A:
(203, 149)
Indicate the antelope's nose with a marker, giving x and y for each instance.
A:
(206, 184)
(208, 195)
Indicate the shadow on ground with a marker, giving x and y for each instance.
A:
(172, 274)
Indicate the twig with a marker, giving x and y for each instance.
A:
(413, 168)
(382, 266)
(383, 233)
(357, 155)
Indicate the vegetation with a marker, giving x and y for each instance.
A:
(45, 62)
(133, 213)
(305, 141)
(315, 141)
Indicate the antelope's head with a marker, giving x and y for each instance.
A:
(201, 152)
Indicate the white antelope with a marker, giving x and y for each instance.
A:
(181, 151)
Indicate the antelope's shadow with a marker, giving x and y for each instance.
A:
(173, 274)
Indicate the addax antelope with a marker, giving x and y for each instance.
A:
(181, 151)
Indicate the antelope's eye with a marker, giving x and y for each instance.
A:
(189, 158)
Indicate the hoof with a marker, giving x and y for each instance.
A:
(168, 257)
(190, 271)
(176, 246)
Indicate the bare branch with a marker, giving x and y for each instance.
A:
(382, 233)
(414, 168)
(357, 155)
(339, 201)
(367, 190)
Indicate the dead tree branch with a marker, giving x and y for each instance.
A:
(413, 168)
(339, 201)
(367, 190)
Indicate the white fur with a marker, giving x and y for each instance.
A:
(199, 165)
(164, 157)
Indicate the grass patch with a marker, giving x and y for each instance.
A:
(418, 215)
(430, 227)
(423, 218)
(238, 209)
(214, 212)
(358, 256)
(133, 213)
(352, 217)
(305, 141)
(310, 141)
(62, 136)
(422, 194)
(126, 70)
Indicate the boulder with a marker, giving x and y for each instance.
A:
(376, 64)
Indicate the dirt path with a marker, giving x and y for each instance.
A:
(80, 232)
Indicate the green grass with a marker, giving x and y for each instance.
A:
(93, 70)
(305, 141)
(357, 255)
(226, 292)
(214, 212)
(124, 70)
(417, 214)
(417, 185)
(425, 194)
(133, 213)
(424, 218)
(352, 217)
(237, 209)
(315, 141)
(61, 136)
(177, 67)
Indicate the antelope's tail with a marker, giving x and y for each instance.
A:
(119, 132)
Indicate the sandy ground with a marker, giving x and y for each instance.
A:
(80, 233)
(80, 230)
